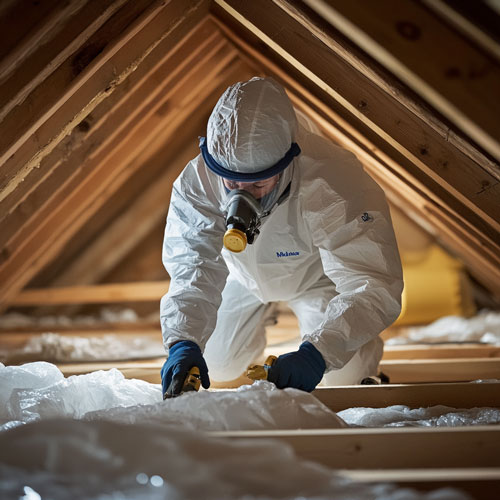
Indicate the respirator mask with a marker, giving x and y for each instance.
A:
(243, 215)
(248, 199)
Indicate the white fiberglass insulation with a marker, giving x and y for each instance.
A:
(72, 438)
(109, 316)
(61, 459)
(36, 391)
(435, 416)
(67, 348)
(483, 328)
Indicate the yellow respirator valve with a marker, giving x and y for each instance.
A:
(235, 240)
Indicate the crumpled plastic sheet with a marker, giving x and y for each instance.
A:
(31, 376)
(251, 407)
(483, 328)
(36, 391)
(61, 459)
(54, 347)
(403, 416)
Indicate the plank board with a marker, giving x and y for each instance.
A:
(105, 293)
(443, 370)
(455, 395)
(479, 483)
(148, 370)
(396, 448)
(441, 351)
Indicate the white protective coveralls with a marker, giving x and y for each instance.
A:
(328, 250)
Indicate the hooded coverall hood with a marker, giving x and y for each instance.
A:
(252, 126)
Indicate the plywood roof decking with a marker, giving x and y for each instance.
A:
(97, 96)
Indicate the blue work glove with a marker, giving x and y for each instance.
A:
(302, 369)
(182, 357)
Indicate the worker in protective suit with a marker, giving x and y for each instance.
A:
(269, 211)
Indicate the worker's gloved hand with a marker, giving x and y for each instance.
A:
(181, 358)
(302, 369)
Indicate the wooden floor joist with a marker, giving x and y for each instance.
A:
(394, 448)
(455, 395)
(404, 371)
(479, 483)
(441, 351)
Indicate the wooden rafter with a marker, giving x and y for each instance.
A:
(456, 223)
(84, 187)
(429, 157)
(58, 103)
(431, 58)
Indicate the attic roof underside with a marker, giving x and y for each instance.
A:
(102, 103)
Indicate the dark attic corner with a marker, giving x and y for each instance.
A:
(102, 107)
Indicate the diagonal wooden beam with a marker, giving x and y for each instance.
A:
(365, 65)
(461, 16)
(82, 194)
(430, 158)
(143, 214)
(444, 68)
(61, 36)
(159, 71)
(456, 227)
(126, 42)
(22, 25)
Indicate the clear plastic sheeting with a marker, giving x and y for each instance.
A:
(67, 348)
(42, 392)
(76, 395)
(435, 416)
(61, 459)
(31, 376)
(483, 328)
(251, 407)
